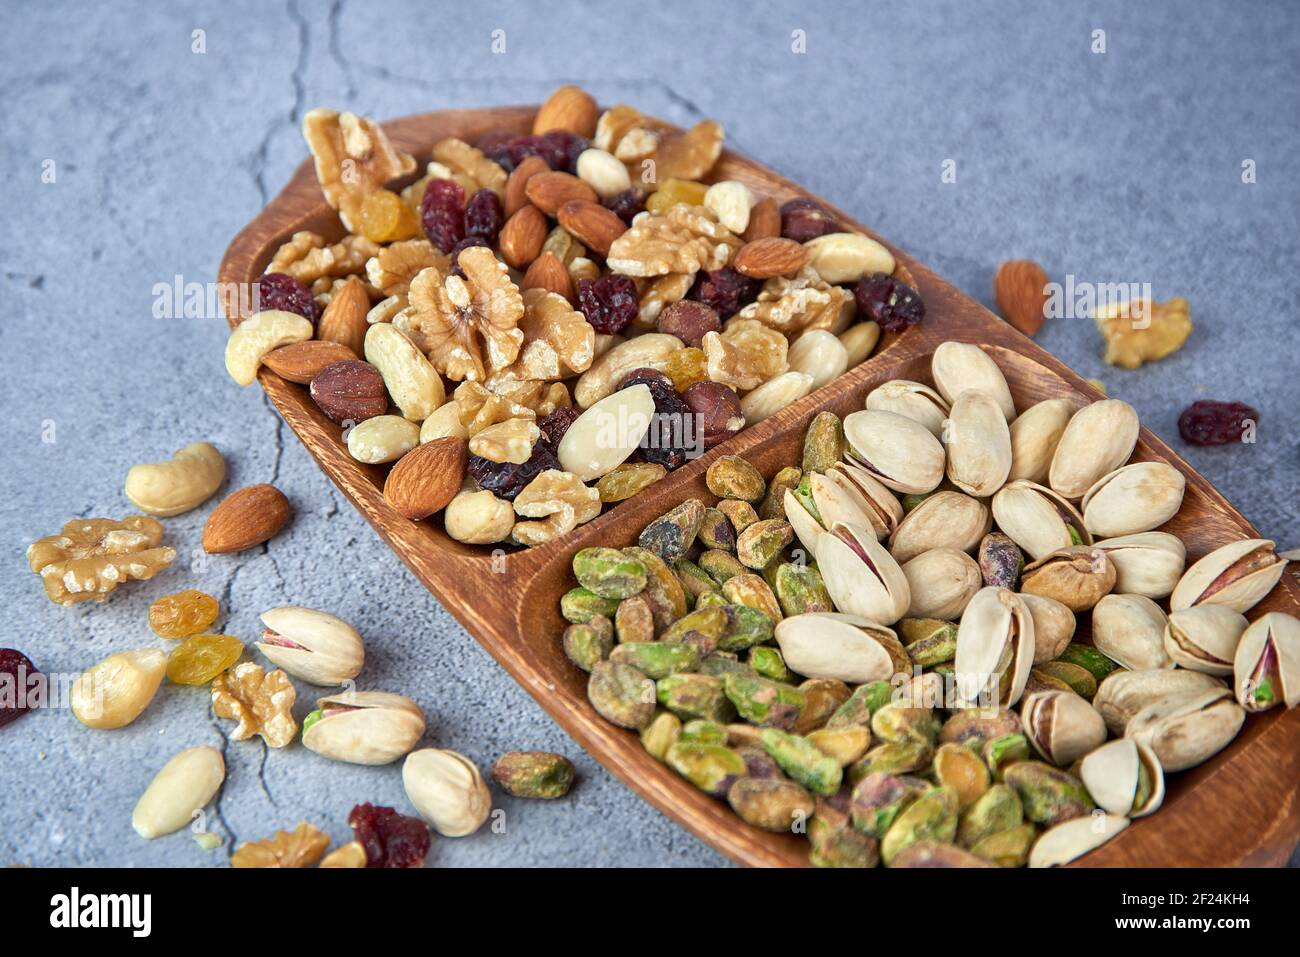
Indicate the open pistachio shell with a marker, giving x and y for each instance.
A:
(1238, 575)
(1038, 519)
(1204, 638)
(1074, 838)
(1077, 577)
(364, 727)
(311, 645)
(1185, 730)
(1124, 778)
(916, 401)
(1123, 694)
(1061, 726)
(882, 507)
(942, 581)
(860, 576)
(978, 443)
(1130, 629)
(1034, 436)
(944, 520)
(1148, 563)
(995, 648)
(838, 495)
(897, 451)
(1099, 439)
(1054, 626)
(958, 366)
(844, 647)
(1132, 499)
(1267, 664)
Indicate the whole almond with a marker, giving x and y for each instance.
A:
(425, 479)
(568, 108)
(774, 256)
(344, 319)
(350, 391)
(592, 224)
(247, 517)
(522, 236)
(550, 190)
(516, 198)
(301, 362)
(548, 272)
(1020, 289)
(764, 221)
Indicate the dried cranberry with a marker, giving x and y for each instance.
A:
(659, 383)
(671, 432)
(484, 216)
(494, 137)
(564, 148)
(390, 839)
(506, 480)
(725, 290)
(442, 213)
(802, 220)
(1208, 422)
(556, 424)
(20, 669)
(627, 204)
(278, 290)
(609, 303)
(892, 304)
(465, 243)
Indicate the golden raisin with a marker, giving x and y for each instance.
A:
(200, 658)
(687, 367)
(628, 479)
(675, 191)
(385, 218)
(184, 613)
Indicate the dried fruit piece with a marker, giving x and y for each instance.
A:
(22, 678)
(484, 216)
(277, 290)
(1143, 331)
(390, 839)
(609, 303)
(724, 290)
(1209, 422)
(686, 368)
(628, 479)
(442, 213)
(183, 614)
(90, 557)
(301, 847)
(674, 191)
(627, 204)
(200, 658)
(385, 218)
(892, 304)
(261, 702)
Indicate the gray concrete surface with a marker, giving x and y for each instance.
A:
(1119, 166)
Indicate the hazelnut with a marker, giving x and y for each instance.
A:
(689, 320)
(718, 407)
(351, 390)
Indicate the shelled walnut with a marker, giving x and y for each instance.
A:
(392, 269)
(559, 501)
(796, 305)
(745, 354)
(353, 157)
(261, 701)
(301, 847)
(90, 557)
(684, 239)
(307, 257)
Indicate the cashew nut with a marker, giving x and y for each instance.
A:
(412, 381)
(259, 334)
(185, 481)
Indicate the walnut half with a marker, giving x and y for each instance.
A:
(261, 702)
(353, 157)
(560, 501)
(301, 847)
(92, 556)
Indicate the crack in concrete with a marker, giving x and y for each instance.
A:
(261, 775)
(336, 51)
(221, 792)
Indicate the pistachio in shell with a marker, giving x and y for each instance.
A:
(1035, 434)
(958, 366)
(1038, 519)
(1237, 575)
(995, 648)
(1072, 839)
(942, 582)
(945, 519)
(1266, 667)
(312, 645)
(773, 804)
(897, 451)
(363, 727)
(1077, 577)
(1130, 629)
(1123, 694)
(860, 576)
(845, 647)
(844, 493)
(1185, 730)
(1134, 498)
(1061, 726)
(1124, 778)
(978, 444)
(1054, 626)
(1148, 563)
(1099, 438)
(1204, 638)
(914, 400)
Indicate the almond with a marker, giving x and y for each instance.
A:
(568, 108)
(515, 198)
(592, 224)
(344, 319)
(350, 391)
(301, 362)
(550, 190)
(245, 518)
(1020, 289)
(547, 272)
(425, 479)
(764, 221)
(765, 258)
(522, 236)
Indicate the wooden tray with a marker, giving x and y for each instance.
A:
(1240, 807)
